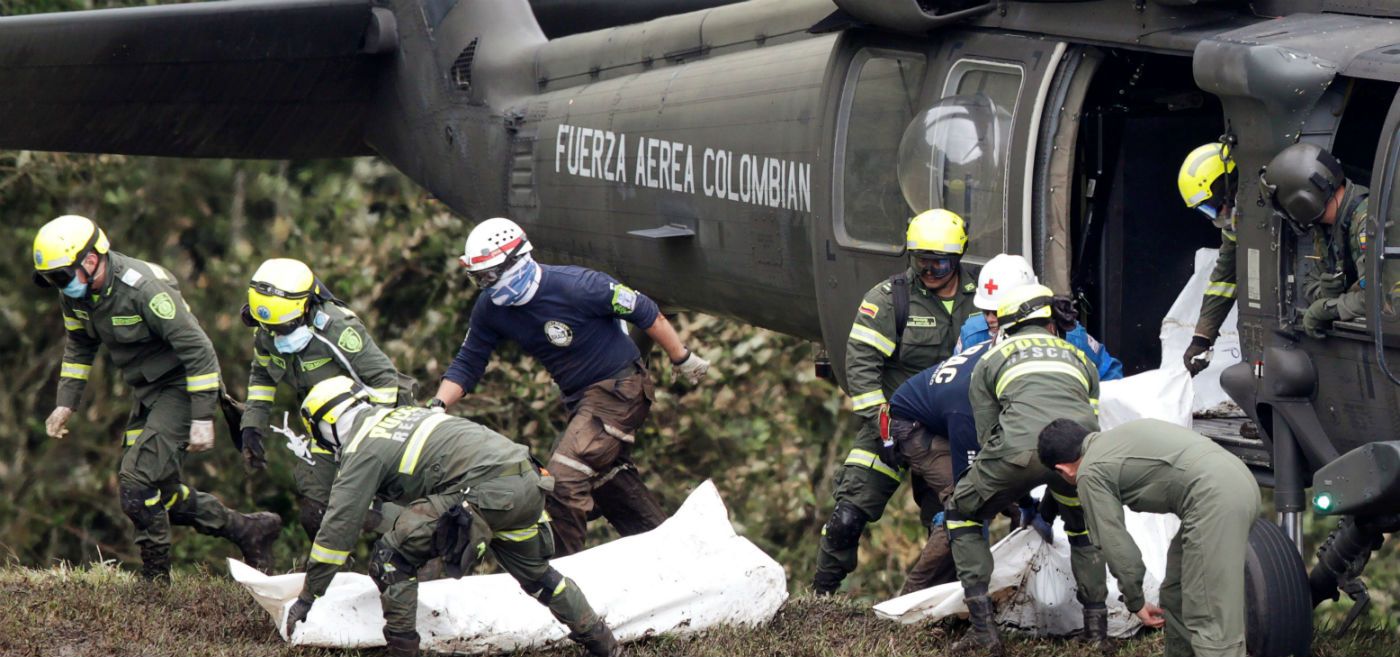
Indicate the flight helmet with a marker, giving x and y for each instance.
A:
(1300, 181)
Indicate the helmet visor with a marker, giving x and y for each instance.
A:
(936, 265)
(487, 277)
(60, 277)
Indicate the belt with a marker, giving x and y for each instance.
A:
(514, 469)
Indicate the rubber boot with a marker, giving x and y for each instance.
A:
(598, 640)
(155, 564)
(1096, 628)
(254, 533)
(983, 638)
(823, 586)
(401, 645)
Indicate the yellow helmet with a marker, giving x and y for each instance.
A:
(63, 243)
(1203, 175)
(327, 402)
(937, 230)
(1023, 303)
(279, 290)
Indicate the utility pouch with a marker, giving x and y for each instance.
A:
(455, 541)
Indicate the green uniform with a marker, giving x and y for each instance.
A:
(171, 368)
(340, 346)
(442, 467)
(1220, 291)
(1027, 381)
(865, 483)
(1156, 467)
(1342, 271)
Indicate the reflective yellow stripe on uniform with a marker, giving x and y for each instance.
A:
(179, 496)
(384, 395)
(867, 459)
(962, 524)
(74, 371)
(560, 589)
(129, 438)
(262, 393)
(1094, 403)
(72, 324)
(518, 535)
(1070, 533)
(1226, 290)
(873, 338)
(326, 555)
(1065, 499)
(262, 360)
(866, 400)
(409, 462)
(153, 500)
(202, 382)
(1039, 367)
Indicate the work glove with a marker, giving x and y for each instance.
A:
(56, 424)
(297, 614)
(1197, 356)
(692, 367)
(201, 436)
(1030, 517)
(1326, 285)
(253, 453)
(1319, 317)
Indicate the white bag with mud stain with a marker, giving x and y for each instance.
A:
(691, 573)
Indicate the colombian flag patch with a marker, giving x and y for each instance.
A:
(869, 309)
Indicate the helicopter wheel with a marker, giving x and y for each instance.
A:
(1278, 601)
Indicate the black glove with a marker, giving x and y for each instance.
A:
(253, 453)
(1031, 516)
(1197, 356)
(297, 614)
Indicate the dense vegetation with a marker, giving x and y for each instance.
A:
(763, 427)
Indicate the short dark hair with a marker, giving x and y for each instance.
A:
(1061, 441)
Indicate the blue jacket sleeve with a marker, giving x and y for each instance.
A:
(1110, 368)
(470, 361)
(610, 298)
(974, 331)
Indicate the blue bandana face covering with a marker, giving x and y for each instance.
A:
(293, 342)
(517, 286)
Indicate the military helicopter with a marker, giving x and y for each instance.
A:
(759, 160)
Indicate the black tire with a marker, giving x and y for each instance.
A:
(1278, 602)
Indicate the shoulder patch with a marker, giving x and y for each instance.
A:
(131, 277)
(320, 320)
(869, 309)
(969, 288)
(624, 299)
(163, 306)
(350, 340)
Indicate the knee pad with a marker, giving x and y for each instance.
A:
(388, 567)
(310, 515)
(142, 505)
(843, 530)
(546, 587)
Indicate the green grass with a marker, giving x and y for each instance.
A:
(102, 610)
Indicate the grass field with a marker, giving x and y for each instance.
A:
(100, 610)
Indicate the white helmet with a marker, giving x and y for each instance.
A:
(1000, 275)
(492, 247)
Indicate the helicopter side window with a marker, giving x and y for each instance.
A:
(953, 154)
(875, 110)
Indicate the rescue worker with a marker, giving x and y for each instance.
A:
(1207, 182)
(304, 335)
(931, 427)
(904, 325)
(465, 487)
(1307, 186)
(568, 318)
(1028, 378)
(136, 310)
(1006, 272)
(1152, 466)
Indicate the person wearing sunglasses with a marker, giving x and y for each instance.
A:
(302, 336)
(1207, 182)
(135, 309)
(571, 320)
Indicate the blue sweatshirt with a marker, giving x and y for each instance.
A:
(570, 325)
(937, 398)
(975, 330)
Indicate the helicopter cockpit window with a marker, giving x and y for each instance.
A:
(875, 110)
(953, 154)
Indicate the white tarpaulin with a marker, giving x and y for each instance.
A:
(1180, 324)
(691, 573)
(1032, 582)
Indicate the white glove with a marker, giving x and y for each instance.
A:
(692, 367)
(55, 425)
(201, 436)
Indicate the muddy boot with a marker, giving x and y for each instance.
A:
(825, 585)
(1096, 628)
(598, 640)
(155, 564)
(254, 534)
(983, 638)
(401, 645)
